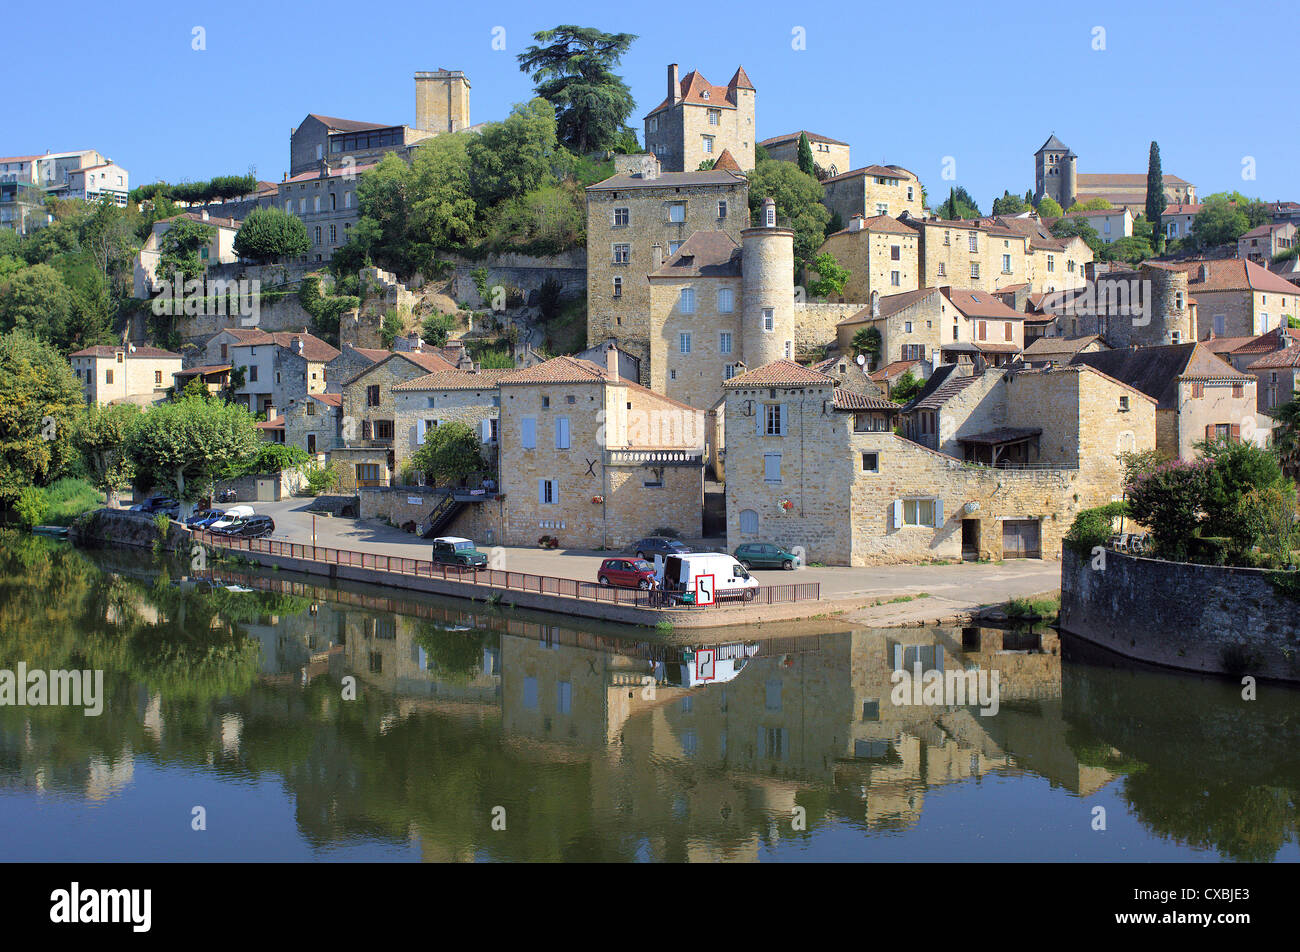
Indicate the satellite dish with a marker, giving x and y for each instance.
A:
(862, 359)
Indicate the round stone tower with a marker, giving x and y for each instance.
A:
(1169, 313)
(767, 287)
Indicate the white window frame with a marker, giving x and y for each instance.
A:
(686, 301)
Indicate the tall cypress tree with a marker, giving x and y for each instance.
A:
(806, 164)
(1156, 202)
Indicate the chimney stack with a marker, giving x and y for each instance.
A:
(297, 344)
(674, 86)
(611, 362)
(657, 257)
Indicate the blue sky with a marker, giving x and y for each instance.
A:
(983, 82)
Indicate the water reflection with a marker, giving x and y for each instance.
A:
(601, 746)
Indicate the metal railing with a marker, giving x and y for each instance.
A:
(502, 579)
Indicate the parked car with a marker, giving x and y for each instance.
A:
(227, 526)
(204, 518)
(156, 504)
(730, 578)
(233, 515)
(452, 550)
(651, 546)
(254, 527)
(765, 555)
(627, 573)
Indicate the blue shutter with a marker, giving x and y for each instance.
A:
(785, 427)
(938, 513)
(541, 490)
(898, 513)
(762, 412)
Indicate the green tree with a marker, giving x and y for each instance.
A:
(1224, 217)
(1156, 201)
(831, 277)
(1050, 208)
(1131, 248)
(271, 234)
(1286, 436)
(1078, 227)
(450, 453)
(37, 301)
(39, 399)
(806, 163)
(1235, 469)
(1168, 502)
(546, 221)
(1010, 204)
(178, 250)
(1091, 205)
(515, 155)
(867, 341)
(798, 198)
(1267, 519)
(102, 434)
(960, 205)
(182, 446)
(573, 68)
(443, 213)
(391, 328)
(906, 387)
(272, 458)
(437, 328)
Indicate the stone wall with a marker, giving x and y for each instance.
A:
(284, 313)
(123, 527)
(524, 272)
(816, 324)
(1196, 617)
(480, 522)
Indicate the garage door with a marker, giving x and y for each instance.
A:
(1020, 539)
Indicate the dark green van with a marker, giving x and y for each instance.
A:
(765, 555)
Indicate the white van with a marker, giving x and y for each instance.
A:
(680, 573)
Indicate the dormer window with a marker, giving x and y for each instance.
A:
(704, 94)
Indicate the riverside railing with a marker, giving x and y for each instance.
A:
(501, 579)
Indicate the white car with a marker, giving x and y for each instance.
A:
(233, 514)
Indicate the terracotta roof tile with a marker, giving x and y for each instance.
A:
(704, 254)
(139, 352)
(1278, 360)
(456, 380)
(794, 137)
(982, 304)
(779, 373)
(849, 400)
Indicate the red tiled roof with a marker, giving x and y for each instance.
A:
(880, 224)
(779, 373)
(726, 162)
(704, 254)
(203, 371)
(890, 304)
(884, 171)
(1234, 274)
(313, 348)
(562, 369)
(210, 220)
(332, 173)
(980, 304)
(1276, 339)
(329, 399)
(1121, 179)
(849, 400)
(794, 136)
(893, 371)
(697, 90)
(457, 380)
(348, 125)
(1279, 360)
(275, 424)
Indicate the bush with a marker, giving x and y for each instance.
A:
(1169, 501)
(321, 479)
(69, 498)
(1094, 527)
(31, 506)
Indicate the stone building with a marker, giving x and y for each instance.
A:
(815, 447)
(321, 141)
(873, 191)
(830, 156)
(1278, 376)
(129, 374)
(1199, 395)
(325, 198)
(278, 368)
(441, 100)
(1143, 307)
(698, 121)
(1237, 298)
(910, 325)
(1261, 244)
(314, 423)
(881, 254)
(220, 249)
(636, 220)
(423, 404)
(1056, 174)
(593, 459)
(976, 324)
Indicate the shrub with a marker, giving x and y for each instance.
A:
(1094, 527)
(1168, 501)
(321, 479)
(31, 506)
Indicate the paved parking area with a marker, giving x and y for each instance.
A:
(955, 586)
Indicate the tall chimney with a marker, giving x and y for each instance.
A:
(657, 257)
(611, 362)
(674, 86)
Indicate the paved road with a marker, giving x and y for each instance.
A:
(954, 587)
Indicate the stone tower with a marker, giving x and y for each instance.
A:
(441, 101)
(767, 288)
(1056, 173)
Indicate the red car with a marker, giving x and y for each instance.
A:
(627, 573)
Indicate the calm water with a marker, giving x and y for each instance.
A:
(233, 701)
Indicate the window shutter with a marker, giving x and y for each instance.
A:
(485, 427)
(1235, 433)
(938, 513)
(541, 490)
(528, 436)
(784, 430)
(762, 415)
(898, 513)
(898, 657)
(419, 433)
(1209, 431)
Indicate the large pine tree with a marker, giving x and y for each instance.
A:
(1156, 202)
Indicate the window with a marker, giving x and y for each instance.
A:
(913, 352)
(882, 208)
(947, 238)
(728, 371)
(773, 419)
(895, 279)
(748, 520)
(618, 287)
(546, 403)
(1198, 389)
(367, 472)
(315, 204)
(530, 693)
(707, 144)
(1123, 404)
(982, 330)
(1051, 262)
(909, 193)
(561, 433)
(316, 235)
(108, 375)
(347, 199)
(677, 212)
(895, 253)
(622, 253)
(722, 209)
(714, 116)
(383, 429)
(620, 217)
(548, 492)
(1006, 331)
(673, 247)
(974, 269)
(252, 376)
(726, 300)
(871, 462)
(686, 301)
(372, 392)
(528, 433)
(942, 269)
(907, 327)
(789, 350)
(684, 343)
(1238, 390)
(974, 241)
(769, 318)
(772, 467)
(652, 124)
(724, 342)
(1006, 264)
(288, 207)
(918, 512)
(157, 378)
